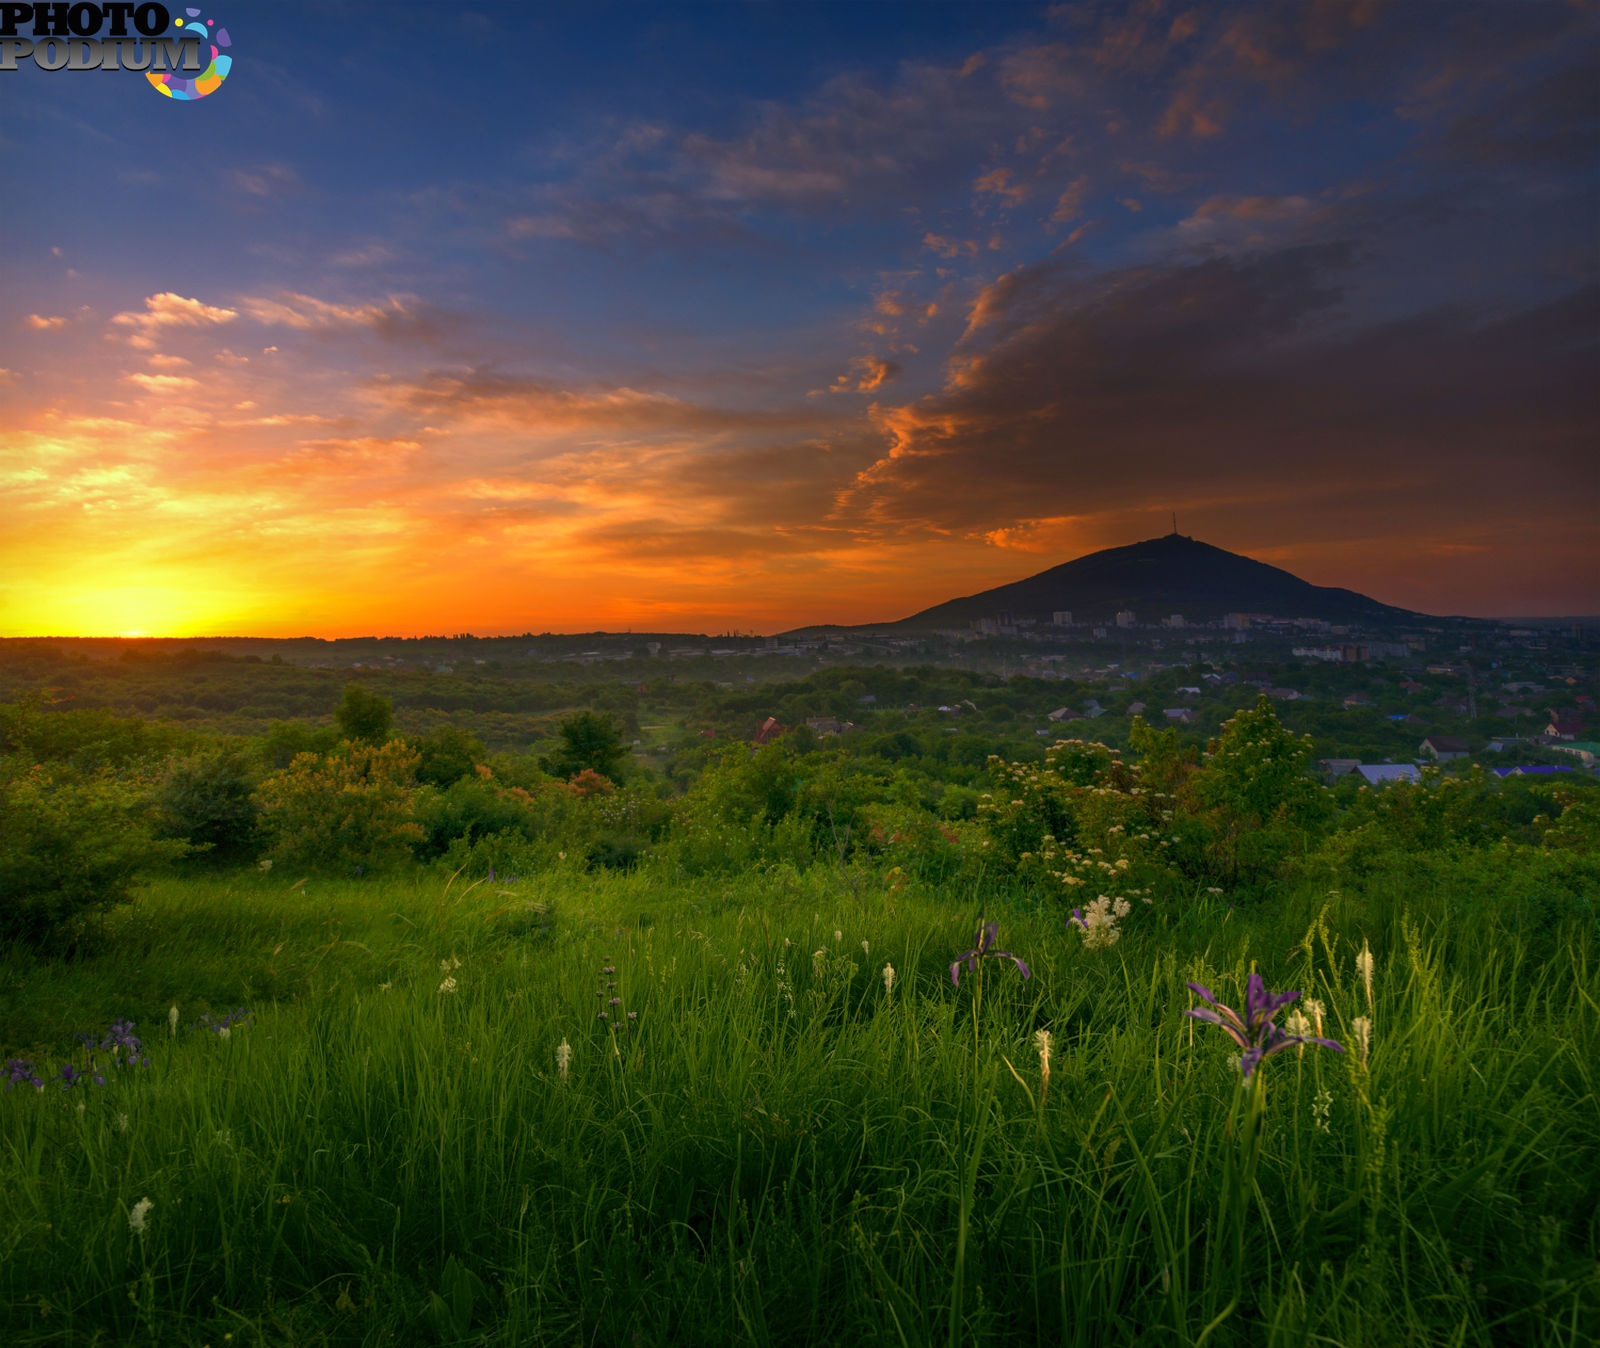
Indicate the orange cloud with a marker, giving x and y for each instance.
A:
(168, 310)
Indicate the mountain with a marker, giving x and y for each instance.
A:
(1158, 577)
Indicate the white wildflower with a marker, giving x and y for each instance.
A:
(866, 950)
(888, 979)
(138, 1216)
(122, 1123)
(1363, 1028)
(837, 935)
(224, 1034)
(1317, 1011)
(563, 1057)
(1364, 968)
(449, 985)
(172, 1019)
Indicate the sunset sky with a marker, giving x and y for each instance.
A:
(699, 317)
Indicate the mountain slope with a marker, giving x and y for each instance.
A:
(1157, 577)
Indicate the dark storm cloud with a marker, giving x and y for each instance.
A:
(1216, 378)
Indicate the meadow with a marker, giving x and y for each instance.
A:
(651, 1108)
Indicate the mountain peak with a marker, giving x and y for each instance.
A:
(1172, 574)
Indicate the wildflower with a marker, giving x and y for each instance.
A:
(1363, 1028)
(1041, 1040)
(888, 979)
(1364, 968)
(982, 949)
(138, 1216)
(1099, 924)
(122, 1123)
(172, 1019)
(1254, 1031)
(449, 985)
(837, 936)
(19, 1072)
(563, 1057)
(384, 987)
(225, 1033)
(1316, 1010)
(121, 1039)
(1320, 1108)
(866, 949)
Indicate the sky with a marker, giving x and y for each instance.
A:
(741, 317)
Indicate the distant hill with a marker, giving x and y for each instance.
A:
(1158, 577)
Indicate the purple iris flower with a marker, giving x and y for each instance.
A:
(1254, 1031)
(19, 1072)
(120, 1039)
(72, 1076)
(983, 949)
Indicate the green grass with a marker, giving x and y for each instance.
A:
(780, 1151)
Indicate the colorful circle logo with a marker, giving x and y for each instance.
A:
(174, 85)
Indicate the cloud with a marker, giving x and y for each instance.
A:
(163, 384)
(40, 323)
(867, 374)
(268, 180)
(1233, 377)
(948, 247)
(1000, 183)
(1069, 205)
(540, 405)
(168, 310)
(396, 316)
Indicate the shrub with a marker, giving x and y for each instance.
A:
(353, 809)
(209, 800)
(70, 847)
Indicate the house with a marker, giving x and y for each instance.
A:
(1564, 727)
(827, 725)
(1375, 774)
(1500, 743)
(1586, 752)
(769, 731)
(1442, 748)
(1190, 691)
(1282, 694)
(1531, 770)
(1182, 715)
(1065, 714)
(1357, 700)
(1338, 767)
(1134, 708)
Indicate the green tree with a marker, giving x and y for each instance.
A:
(1252, 795)
(589, 739)
(354, 808)
(364, 715)
(209, 799)
(448, 755)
